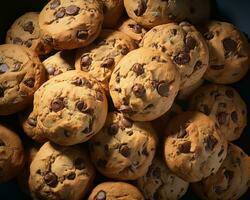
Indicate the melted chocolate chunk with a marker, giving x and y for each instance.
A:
(182, 58)
(81, 106)
(30, 82)
(101, 195)
(124, 150)
(127, 123)
(17, 41)
(82, 34)
(28, 27)
(71, 176)
(234, 116)
(139, 90)
(3, 68)
(184, 147)
(138, 69)
(210, 142)
(51, 179)
(163, 88)
(222, 118)
(136, 28)
(57, 104)
(72, 10)
(190, 43)
(141, 8)
(85, 62)
(79, 164)
(60, 13)
(229, 45)
(113, 129)
(54, 4)
(208, 35)
(108, 63)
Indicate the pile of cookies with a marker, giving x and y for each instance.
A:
(96, 85)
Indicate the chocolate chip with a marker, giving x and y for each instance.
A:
(127, 123)
(86, 61)
(57, 104)
(54, 4)
(82, 82)
(126, 109)
(136, 28)
(28, 27)
(17, 41)
(221, 117)
(139, 90)
(72, 10)
(99, 96)
(71, 176)
(51, 70)
(113, 129)
(79, 164)
(173, 31)
(190, 43)
(221, 151)
(229, 174)
(205, 109)
(108, 62)
(101, 163)
(208, 35)
(81, 106)
(51, 179)
(163, 88)
(31, 122)
(198, 65)
(2, 143)
(184, 147)
(210, 141)
(124, 51)
(16, 67)
(138, 69)
(28, 43)
(124, 150)
(229, 45)
(48, 40)
(3, 68)
(229, 93)
(157, 172)
(101, 195)
(142, 7)
(182, 58)
(234, 116)
(82, 34)
(60, 13)
(30, 82)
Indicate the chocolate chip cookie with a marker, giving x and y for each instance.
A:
(144, 84)
(100, 58)
(123, 149)
(184, 45)
(150, 13)
(229, 53)
(59, 63)
(224, 105)
(60, 173)
(231, 181)
(21, 74)
(69, 24)
(115, 190)
(194, 146)
(112, 11)
(26, 31)
(160, 183)
(12, 154)
(70, 107)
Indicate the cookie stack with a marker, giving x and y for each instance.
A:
(97, 92)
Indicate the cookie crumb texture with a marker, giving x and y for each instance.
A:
(70, 108)
(60, 173)
(115, 190)
(69, 24)
(123, 149)
(194, 147)
(21, 74)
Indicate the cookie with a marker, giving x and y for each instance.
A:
(160, 183)
(100, 58)
(21, 74)
(224, 105)
(26, 31)
(231, 181)
(59, 63)
(123, 149)
(112, 11)
(144, 84)
(69, 24)
(229, 53)
(194, 147)
(155, 12)
(12, 154)
(59, 172)
(28, 121)
(132, 29)
(184, 45)
(115, 190)
(70, 107)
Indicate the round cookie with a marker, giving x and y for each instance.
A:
(151, 13)
(123, 149)
(26, 31)
(224, 105)
(194, 147)
(100, 58)
(59, 172)
(59, 63)
(132, 29)
(229, 53)
(161, 184)
(70, 107)
(21, 74)
(144, 84)
(12, 154)
(115, 190)
(69, 24)
(112, 11)
(231, 181)
(184, 45)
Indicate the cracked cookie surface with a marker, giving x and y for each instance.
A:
(194, 147)
(224, 105)
(21, 74)
(123, 149)
(144, 84)
(60, 173)
(70, 108)
(69, 24)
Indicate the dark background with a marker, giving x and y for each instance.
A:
(234, 11)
